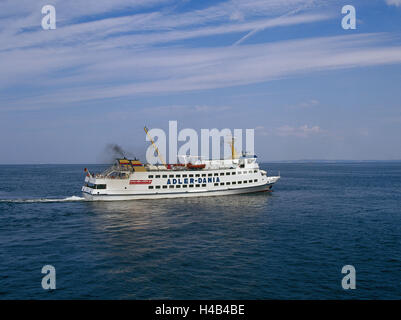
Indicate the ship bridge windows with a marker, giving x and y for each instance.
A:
(117, 175)
(97, 186)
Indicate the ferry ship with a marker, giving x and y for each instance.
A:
(132, 180)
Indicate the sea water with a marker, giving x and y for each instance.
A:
(288, 244)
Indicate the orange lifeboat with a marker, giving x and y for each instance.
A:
(195, 166)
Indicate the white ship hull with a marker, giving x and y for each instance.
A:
(183, 194)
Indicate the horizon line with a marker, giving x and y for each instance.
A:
(264, 161)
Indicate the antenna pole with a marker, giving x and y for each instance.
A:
(154, 146)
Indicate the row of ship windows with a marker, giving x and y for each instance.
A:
(203, 185)
(201, 175)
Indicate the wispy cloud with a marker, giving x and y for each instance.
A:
(309, 103)
(303, 131)
(117, 73)
(394, 2)
(302, 6)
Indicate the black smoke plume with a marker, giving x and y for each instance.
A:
(115, 151)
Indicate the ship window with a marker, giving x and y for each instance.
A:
(216, 174)
(164, 187)
(256, 180)
(171, 176)
(197, 185)
(255, 171)
(222, 183)
(234, 182)
(228, 183)
(157, 187)
(197, 175)
(203, 185)
(222, 173)
(191, 175)
(250, 171)
(239, 182)
(216, 184)
(184, 175)
(100, 186)
(239, 172)
(150, 187)
(227, 173)
(171, 186)
(233, 173)
(164, 175)
(178, 186)
(184, 186)
(204, 175)
(209, 175)
(178, 176)
(191, 185)
(150, 177)
(245, 181)
(158, 176)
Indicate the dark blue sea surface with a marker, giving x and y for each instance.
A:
(290, 244)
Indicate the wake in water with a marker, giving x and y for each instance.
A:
(68, 199)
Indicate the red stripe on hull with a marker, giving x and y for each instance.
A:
(140, 181)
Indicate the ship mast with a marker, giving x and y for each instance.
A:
(234, 154)
(154, 146)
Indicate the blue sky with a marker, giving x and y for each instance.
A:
(311, 89)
